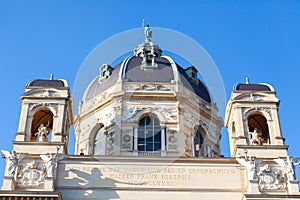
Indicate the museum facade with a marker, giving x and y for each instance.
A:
(148, 128)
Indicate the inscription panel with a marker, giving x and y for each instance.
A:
(150, 176)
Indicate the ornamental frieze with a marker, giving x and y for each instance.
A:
(147, 87)
(168, 114)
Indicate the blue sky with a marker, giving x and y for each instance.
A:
(255, 39)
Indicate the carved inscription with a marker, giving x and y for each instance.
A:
(129, 176)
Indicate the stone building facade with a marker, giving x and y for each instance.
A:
(148, 128)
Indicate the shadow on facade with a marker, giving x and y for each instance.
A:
(95, 185)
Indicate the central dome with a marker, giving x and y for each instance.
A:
(132, 70)
(148, 105)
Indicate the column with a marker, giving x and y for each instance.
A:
(163, 141)
(135, 141)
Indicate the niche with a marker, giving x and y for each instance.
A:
(41, 125)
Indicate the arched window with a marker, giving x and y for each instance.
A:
(149, 134)
(198, 144)
(258, 129)
(41, 125)
(100, 142)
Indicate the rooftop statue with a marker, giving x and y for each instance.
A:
(147, 31)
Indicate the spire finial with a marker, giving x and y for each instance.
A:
(247, 80)
(51, 76)
(147, 31)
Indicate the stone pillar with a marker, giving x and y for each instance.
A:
(252, 187)
(135, 141)
(163, 142)
(292, 186)
(49, 184)
(9, 183)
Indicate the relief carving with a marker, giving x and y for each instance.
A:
(110, 142)
(172, 139)
(266, 110)
(188, 145)
(100, 98)
(31, 175)
(33, 106)
(288, 167)
(126, 140)
(12, 161)
(48, 93)
(148, 87)
(168, 114)
(117, 106)
(50, 163)
(271, 178)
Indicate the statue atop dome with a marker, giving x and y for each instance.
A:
(147, 31)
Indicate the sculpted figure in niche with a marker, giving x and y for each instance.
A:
(256, 137)
(43, 132)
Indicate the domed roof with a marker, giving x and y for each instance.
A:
(252, 87)
(263, 87)
(48, 83)
(147, 65)
(134, 72)
(131, 70)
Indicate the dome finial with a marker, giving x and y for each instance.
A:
(147, 31)
(247, 80)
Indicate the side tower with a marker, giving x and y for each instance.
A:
(43, 134)
(253, 122)
(256, 141)
(45, 119)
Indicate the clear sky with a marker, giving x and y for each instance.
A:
(255, 39)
